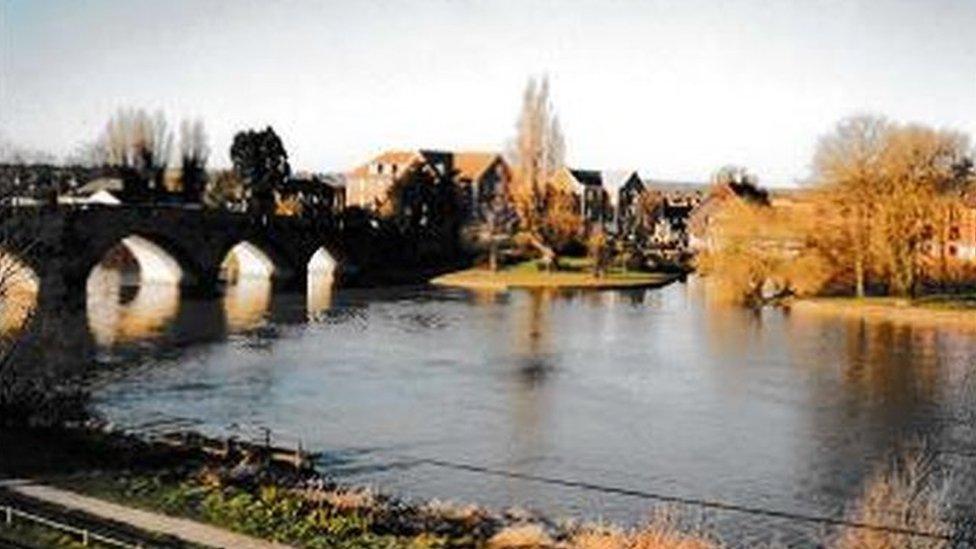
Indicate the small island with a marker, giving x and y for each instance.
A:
(573, 274)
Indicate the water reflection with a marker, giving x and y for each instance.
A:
(122, 313)
(247, 304)
(319, 297)
(532, 342)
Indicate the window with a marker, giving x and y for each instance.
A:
(953, 251)
(954, 233)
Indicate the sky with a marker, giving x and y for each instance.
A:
(675, 89)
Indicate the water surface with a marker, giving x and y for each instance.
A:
(652, 391)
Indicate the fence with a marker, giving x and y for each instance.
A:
(85, 535)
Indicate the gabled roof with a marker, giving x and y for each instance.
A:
(473, 164)
(587, 177)
(398, 157)
(468, 164)
(614, 180)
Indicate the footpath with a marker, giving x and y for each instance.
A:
(185, 530)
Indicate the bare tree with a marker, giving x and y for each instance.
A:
(538, 153)
(194, 152)
(143, 143)
(920, 166)
(847, 164)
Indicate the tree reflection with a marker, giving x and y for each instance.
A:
(530, 394)
(890, 363)
(533, 342)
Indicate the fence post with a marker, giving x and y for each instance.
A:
(84, 538)
(9, 512)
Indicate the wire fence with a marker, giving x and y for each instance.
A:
(965, 536)
(84, 535)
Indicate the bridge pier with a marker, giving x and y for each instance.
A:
(59, 339)
(59, 289)
(206, 285)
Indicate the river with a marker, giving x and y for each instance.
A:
(578, 404)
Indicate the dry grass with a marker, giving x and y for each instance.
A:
(523, 536)
(662, 532)
(341, 498)
(351, 499)
(453, 511)
(902, 497)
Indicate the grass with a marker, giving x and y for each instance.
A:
(36, 535)
(573, 273)
(901, 496)
(308, 511)
(330, 516)
(323, 518)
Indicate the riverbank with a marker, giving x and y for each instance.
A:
(254, 496)
(245, 491)
(576, 274)
(953, 311)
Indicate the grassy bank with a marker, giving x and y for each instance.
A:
(316, 515)
(573, 273)
(248, 494)
(252, 496)
(939, 310)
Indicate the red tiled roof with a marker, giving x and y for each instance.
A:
(388, 157)
(471, 165)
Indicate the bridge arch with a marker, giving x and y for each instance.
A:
(143, 259)
(321, 272)
(322, 263)
(247, 261)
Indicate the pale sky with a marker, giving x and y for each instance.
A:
(675, 89)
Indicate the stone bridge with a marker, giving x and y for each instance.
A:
(62, 245)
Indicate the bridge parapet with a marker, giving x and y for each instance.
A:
(62, 245)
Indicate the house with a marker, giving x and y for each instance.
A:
(677, 202)
(480, 175)
(623, 189)
(702, 216)
(961, 244)
(483, 177)
(368, 184)
(592, 199)
(957, 247)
